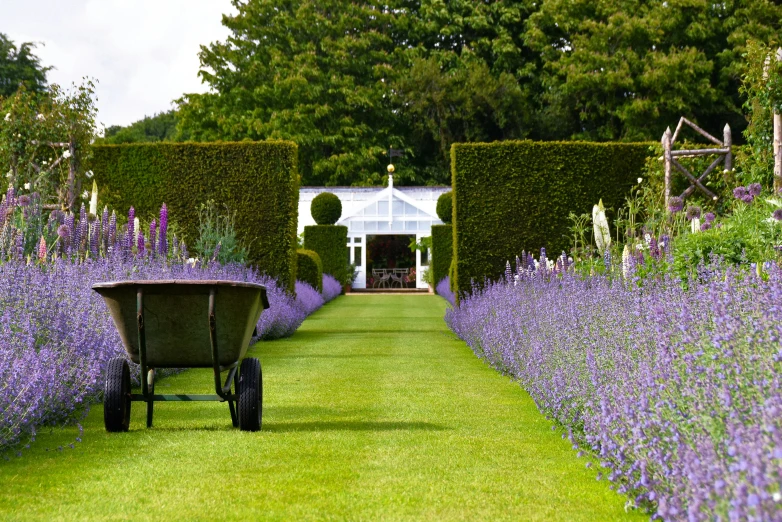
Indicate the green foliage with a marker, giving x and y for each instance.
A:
(326, 208)
(762, 87)
(348, 80)
(217, 235)
(45, 140)
(445, 207)
(160, 127)
(258, 180)
(626, 70)
(330, 242)
(442, 250)
(309, 268)
(516, 196)
(19, 66)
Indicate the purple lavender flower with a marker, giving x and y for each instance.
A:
(163, 243)
(131, 235)
(140, 243)
(693, 212)
(754, 189)
(675, 204)
(152, 237)
(112, 239)
(94, 239)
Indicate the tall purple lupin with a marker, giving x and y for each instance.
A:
(163, 242)
(131, 232)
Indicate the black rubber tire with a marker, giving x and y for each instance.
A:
(116, 396)
(250, 395)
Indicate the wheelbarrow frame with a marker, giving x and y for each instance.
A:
(223, 391)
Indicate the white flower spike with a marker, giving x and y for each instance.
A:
(8, 116)
(600, 223)
(695, 225)
(94, 199)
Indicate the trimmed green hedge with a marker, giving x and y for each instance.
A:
(258, 180)
(309, 268)
(516, 195)
(442, 251)
(326, 208)
(330, 242)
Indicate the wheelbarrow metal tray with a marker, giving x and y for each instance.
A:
(176, 319)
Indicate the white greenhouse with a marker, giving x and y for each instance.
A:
(381, 224)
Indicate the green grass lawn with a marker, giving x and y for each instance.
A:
(373, 410)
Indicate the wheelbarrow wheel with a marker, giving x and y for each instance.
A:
(250, 395)
(116, 396)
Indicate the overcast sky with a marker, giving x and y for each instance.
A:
(144, 53)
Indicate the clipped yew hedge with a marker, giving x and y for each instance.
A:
(309, 268)
(330, 242)
(258, 180)
(516, 195)
(442, 251)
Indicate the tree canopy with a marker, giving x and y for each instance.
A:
(18, 65)
(347, 80)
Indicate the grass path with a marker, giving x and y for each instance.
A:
(373, 410)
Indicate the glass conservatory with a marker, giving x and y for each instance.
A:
(382, 224)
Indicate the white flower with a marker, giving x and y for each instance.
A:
(640, 180)
(136, 230)
(192, 261)
(695, 225)
(725, 171)
(41, 117)
(85, 195)
(27, 186)
(10, 174)
(66, 154)
(626, 261)
(776, 496)
(94, 200)
(602, 233)
(648, 239)
(8, 117)
(89, 174)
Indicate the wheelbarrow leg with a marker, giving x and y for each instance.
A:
(231, 405)
(150, 402)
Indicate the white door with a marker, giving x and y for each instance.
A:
(357, 255)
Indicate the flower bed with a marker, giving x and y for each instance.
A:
(676, 392)
(56, 335)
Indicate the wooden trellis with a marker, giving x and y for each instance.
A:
(724, 154)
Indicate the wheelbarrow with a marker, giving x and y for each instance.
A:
(184, 324)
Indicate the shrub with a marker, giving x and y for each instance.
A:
(309, 269)
(517, 195)
(331, 288)
(330, 242)
(442, 251)
(217, 236)
(445, 207)
(326, 208)
(307, 298)
(257, 179)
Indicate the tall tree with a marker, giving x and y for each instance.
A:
(313, 71)
(18, 65)
(627, 69)
(160, 127)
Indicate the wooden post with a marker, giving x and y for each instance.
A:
(778, 142)
(666, 142)
(727, 142)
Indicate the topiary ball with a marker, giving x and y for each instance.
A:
(445, 207)
(326, 208)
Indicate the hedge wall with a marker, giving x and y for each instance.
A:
(442, 251)
(309, 268)
(330, 242)
(258, 180)
(516, 195)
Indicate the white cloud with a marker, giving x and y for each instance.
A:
(144, 53)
